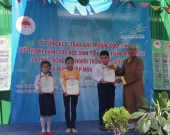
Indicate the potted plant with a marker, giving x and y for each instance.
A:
(153, 120)
(116, 120)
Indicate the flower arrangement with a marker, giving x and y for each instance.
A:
(116, 120)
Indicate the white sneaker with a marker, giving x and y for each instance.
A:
(68, 130)
(74, 131)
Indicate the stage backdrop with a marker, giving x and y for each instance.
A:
(50, 30)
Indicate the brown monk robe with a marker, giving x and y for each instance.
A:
(132, 75)
(132, 72)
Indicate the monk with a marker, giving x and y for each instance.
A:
(131, 76)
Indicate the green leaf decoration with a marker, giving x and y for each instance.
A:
(22, 81)
(164, 132)
(143, 108)
(153, 102)
(27, 42)
(153, 120)
(161, 103)
(168, 103)
(136, 115)
(144, 126)
(33, 42)
(164, 96)
(84, 2)
(152, 115)
(154, 133)
(142, 118)
(144, 100)
(163, 99)
(116, 118)
(158, 107)
(167, 126)
(154, 124)
(164, 114)
(160, 120)
(160, 131)
(139, 125)
(168, 116)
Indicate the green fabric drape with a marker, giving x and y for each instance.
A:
(6, 2)
(5, 28)
(166, 19)
(168, 2)
(5, 19)
(160, 21)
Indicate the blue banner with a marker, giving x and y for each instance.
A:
(53, 30)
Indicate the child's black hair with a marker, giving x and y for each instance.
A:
(49, 64)
(104, 53)
(69, 58)
(45, 62)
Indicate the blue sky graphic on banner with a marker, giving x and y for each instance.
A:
(94, 6)
(52, 31)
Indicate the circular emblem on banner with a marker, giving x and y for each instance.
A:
(3, 41)
(157, 44)
(25, 25)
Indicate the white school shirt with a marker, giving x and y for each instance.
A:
(97, 72)
(37, 81)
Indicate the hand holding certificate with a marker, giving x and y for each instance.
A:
(72, 87)
(108, 75)
(47, 84)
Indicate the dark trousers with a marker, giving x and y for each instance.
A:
(106, 95)
(73, 99)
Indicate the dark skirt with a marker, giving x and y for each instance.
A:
(47, 104)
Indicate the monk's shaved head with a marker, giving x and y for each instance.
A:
(132, 46)
(132, 50)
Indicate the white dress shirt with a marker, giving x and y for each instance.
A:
(62, 85)
(97, 72)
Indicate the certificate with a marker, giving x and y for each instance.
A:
(47, 84)
(109, 75)
(72, 87)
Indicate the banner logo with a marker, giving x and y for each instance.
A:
(135, 32)
(157, 44)
(3, 41)
(168, 46)
(25, 25)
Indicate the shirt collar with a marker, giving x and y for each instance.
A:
(72, 70)
(102, 65)
(44, 74)
(132, 58)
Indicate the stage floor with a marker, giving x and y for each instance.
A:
(84, 128)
